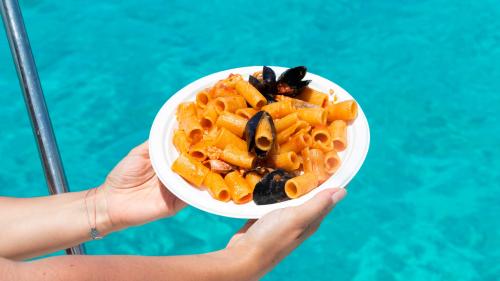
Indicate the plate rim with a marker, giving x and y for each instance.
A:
(160, 120)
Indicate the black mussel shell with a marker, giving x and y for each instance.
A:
(266, 90)
(271, 188)
(251, 129)
(256, 83)
(290, 82)
(268, 76)
(293, 75)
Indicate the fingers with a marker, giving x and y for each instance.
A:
(142, 149)
(317, 207)
(338, 196)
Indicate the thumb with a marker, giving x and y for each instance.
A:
(318, 206)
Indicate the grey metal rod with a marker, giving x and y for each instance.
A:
(35, 102)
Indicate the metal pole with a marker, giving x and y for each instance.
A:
(35, 101)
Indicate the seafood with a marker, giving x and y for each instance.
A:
(219, 166)
(289, 83)
(271, 188)
(260, 134)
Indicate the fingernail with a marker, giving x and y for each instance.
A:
(337, 196)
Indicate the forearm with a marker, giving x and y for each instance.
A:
(35, 226)
(220, 265)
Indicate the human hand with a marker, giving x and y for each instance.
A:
(272, 237)
(133, 193)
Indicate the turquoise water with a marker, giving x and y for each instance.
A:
(424, 206)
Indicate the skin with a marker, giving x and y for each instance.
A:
(133, 195)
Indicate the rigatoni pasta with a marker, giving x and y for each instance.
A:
(217, 187)
(246, 113)
(338, 131)
(234, 123)
(241, 192)
(251, 95)
(190, 169)
(346, 110)
(261, 139)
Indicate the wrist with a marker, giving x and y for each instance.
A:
(97, 211)
(247, 259)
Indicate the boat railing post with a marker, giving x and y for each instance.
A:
(35, 102)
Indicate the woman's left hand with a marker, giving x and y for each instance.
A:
(134, 194)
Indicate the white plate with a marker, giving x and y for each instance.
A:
(163, 152)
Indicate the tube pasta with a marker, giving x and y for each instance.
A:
(209, 117)
(202, 99)
(345, 110)
(279, 109)
(264, 136)
(232, 155)
(240, 190)
(199, 151)
(217, 187)
(315, 97)
(246, 113)
(284, 135)
(232, 122)
(300, 126)
(185, 109)
(313, 116)
(317, 159)
(309, 130)
(192, 127)
(298, 186)
(338, 131)
(229, 103)
(296, 103)
(222, 89)
(181, 141)
(298, 142)
(325, 147)
(225, 138)
(188, 121)
(321, 134)
(332, 162)
(252, 179)
(286, 122)
(251, 95)
(286, 160)
(306, 160)
(190, 169)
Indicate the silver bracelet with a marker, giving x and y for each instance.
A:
(94, 233)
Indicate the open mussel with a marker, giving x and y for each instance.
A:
(260, 134)
(289, 83)
(271, 188)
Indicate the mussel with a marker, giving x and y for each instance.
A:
(271, 188)
(289, 83)
(260, 134)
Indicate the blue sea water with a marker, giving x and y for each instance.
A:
(426, 204)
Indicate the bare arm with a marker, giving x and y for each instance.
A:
(252, 252)
(131, 195)
(34, 226)
(221, 265)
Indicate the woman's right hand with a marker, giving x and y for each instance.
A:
(271, 238)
